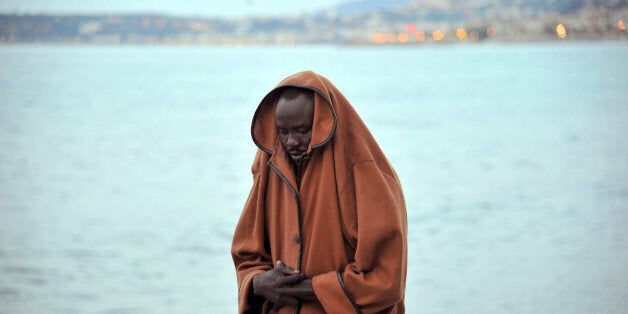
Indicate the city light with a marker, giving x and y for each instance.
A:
(420, 36)
(403, 37)
(378, 38)
(438, 35)
(561, 31)
(461, 33)
(474, 36)
(410, 29)
(491, 32)
(412, 34)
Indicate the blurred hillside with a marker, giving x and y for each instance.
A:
(358, 22)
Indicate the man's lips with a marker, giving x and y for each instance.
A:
(296, 154)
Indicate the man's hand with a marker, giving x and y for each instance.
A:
(303, 290)
(276, 285)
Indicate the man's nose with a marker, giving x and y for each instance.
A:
(292, 142)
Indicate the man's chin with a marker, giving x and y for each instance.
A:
(297, 158)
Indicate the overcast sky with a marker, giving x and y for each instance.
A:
(223, 8)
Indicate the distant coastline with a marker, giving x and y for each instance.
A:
(372, 28)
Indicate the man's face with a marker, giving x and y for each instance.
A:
(294, 124)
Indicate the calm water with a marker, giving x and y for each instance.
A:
(123, 171)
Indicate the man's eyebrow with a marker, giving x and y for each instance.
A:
(299, 126)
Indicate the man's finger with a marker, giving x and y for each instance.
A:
(284, 269)
(293, 279)
(287, 271)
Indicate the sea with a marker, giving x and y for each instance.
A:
(124, 169)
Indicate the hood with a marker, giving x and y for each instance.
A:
(263, 129)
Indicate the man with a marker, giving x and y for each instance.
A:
(324, 228)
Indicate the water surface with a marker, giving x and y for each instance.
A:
(123, 171)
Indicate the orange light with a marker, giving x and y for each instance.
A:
(378, 38)
(410, 29)
(403, 37)
(561, 31)
(438, 35)
(391, 37)
(461, 34)
(491, 32)
(473, 35)
(621, 25)
(420, 36)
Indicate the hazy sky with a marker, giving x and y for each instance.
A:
(224, 8)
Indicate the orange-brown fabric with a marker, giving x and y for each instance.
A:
(345, 227)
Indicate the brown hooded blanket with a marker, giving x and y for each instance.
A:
(344, 226)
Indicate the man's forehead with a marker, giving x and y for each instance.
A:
(301, 103)
(298, 111)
